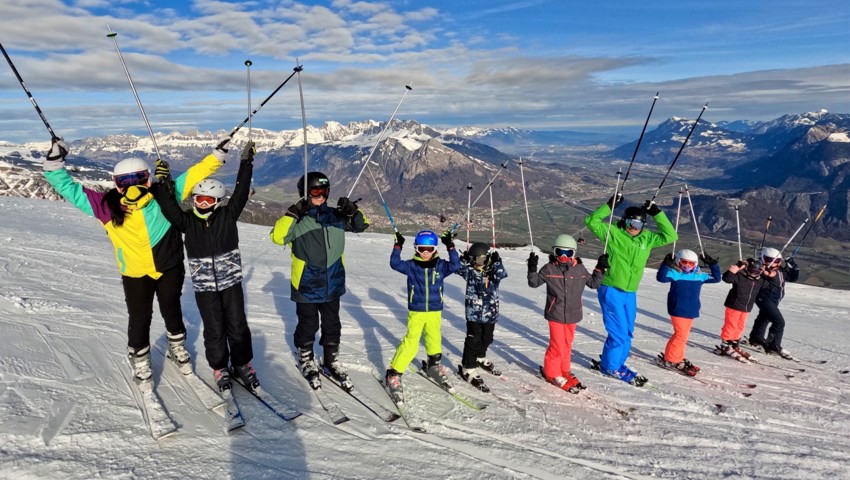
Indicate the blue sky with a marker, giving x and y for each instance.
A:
(535, 64)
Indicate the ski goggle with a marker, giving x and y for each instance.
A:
(772, 261)
(125, 180)
(635, 223)
(317, 192)
(205, 201)
(687, 264)
(425, 249)
(564, 252)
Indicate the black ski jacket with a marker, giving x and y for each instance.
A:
(744, 290)
(773, 289)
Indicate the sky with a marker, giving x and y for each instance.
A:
(535, 64)
(67, 410)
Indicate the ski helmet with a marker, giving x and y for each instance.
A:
(687, 260)
(754, 267)
(131, 171)
(314, 180)
(210, 187)
(771, 256)
(426, 237)
(564, 245)
(631, 217)
(478, 248)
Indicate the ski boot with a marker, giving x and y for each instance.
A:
(690, 366)
(471, 376)
(177, 352)
(728, 348)
(222, 379)
(574, 382)
(743, 353)
(334, 368)
(487, 366)
(308, 366)
(392, 382)
(781, 352)
(247, 376)
(437, 372)
(140, 362)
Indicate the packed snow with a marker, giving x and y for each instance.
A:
(68, 411)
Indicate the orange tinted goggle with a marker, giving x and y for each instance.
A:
(687, 263)
(205, 201)
(316, 192)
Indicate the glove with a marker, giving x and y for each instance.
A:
(56, 156)
(602, 262)
(669, 261)
(465, 258)
(346, 206)
(247, 152)
(162, 171)
(791, 263)
(532, 262)
(615, 200)
(298, 209)
(448, 239)
(651, 208)
(221, 149)
(741, 264)
(708, 259)
(494, 257)
(399, 240)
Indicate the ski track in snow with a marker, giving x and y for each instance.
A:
(67, 410)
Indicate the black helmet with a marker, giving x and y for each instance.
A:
(478, 248)
(314, 179)
(632, 213)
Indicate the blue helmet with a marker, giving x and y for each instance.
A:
(426, 237)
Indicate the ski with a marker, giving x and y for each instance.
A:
(701, 379)
(638, 381)
(451, 390)
(208, 397)
(277, 407)
(232, 416)
(156, 418)
(718, 350)
(379, 410)
(413, 421)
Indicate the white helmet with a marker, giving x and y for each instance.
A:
(209, 187)
(564, 241)
(688, 255)
(130, 165)
(770, 256)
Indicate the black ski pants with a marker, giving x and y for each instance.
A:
(139, 294)
(311, 316)
(227, 338)
(769, 313)
(479, 336)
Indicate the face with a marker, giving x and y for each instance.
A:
(318, 195)
(425, 252)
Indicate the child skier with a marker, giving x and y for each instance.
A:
(746, 281)
(565, 277)
(212, 246)
(768, 302)
(683, 305)
(483, 271)
(426, 273)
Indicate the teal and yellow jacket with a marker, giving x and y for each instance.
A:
(145, 244)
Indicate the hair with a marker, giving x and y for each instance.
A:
(112, 201)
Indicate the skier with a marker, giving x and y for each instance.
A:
(483, 271)
(629, 246)
(746, 280)
(768, 302)
(426, 273)
(149, 253)
(316, 234)
(683, 305)
(565, 277)
(212, 246)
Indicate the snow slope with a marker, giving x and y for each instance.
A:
(66, 410)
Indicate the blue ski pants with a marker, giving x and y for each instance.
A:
(619, 310)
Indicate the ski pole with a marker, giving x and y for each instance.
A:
(678, 214)
(817, 217)
(378, 140)
(676, 158)
(248, 70)
(468, 211)
(654, 99)
(764, 236)
(738, 223)
(304, 123)
(525, 202)
(792, 236)
(611, 217)
(113, 36)
(250, 115)
(492, 216)
(29, 95)
(694, 216)
(457, 224)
